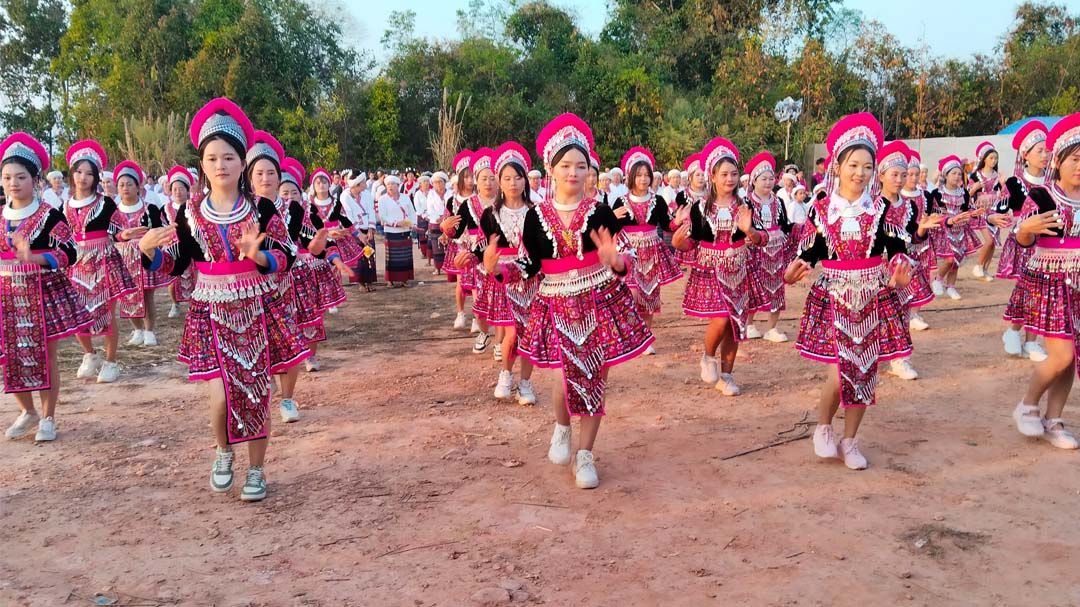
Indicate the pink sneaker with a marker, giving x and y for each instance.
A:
(825, 442)
(852, 458)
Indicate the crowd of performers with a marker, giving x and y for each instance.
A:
(563, 274)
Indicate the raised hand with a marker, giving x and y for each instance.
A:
(461, 260)
(928, 222)
(744, 218)
(155, 238)
(133, 233)
(680, 239)
(682, 214)
(1000, 220)
(491, 255)
(796, 271)
(250, 242)
(449, 224)
(605, 249)
(622, 212)
(1041, 223)
(901, 275)
(318, 242)
(22, 248)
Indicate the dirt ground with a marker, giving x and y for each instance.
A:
(405, 483)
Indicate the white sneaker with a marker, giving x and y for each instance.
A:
(825, 442)
(475, 328)
(650, 351)
(149, 339)
(109, 373)
(136, 338)
(849, 450)
(254, 488)
(917, 323)
(496, 353)
(727, 385)
(526, 395)
(559, 452)
(505, 386)
(585, 471)
(480, 343)
(22, 425)
(91, 364)
(459, 321)
(1028, 420)
(332, 310)
(221, 474)
(1034, 351)
(46, 430)
(710, 372)
(987, 275)
(952, 293)
(1014, 341)
(752, 332)
(1059, 437)
(174, 311)
(311, 364)
(289, 411)
(901, 367)
(978, 271)
(774, 336)
(937, 287)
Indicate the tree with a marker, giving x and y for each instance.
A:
(30, 32)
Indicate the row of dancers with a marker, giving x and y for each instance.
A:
(570, 282)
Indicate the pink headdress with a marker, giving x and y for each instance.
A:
(21, 145)
(948, 163)
(131, 169)
(761, 163)
(482, 159)
(264, 145)
(594, 160)
(716, 150)
(179, 173)
(1028, 136)
(221, 116)
(894, 154)
(982, 151)
(692, 163)
(292, 170)
(462, 160)
(635, 155)
(88, 149)
(851, 130)
(319, 172)
(563, 130)
(1064, 134)
(914, 159)
(512, 152)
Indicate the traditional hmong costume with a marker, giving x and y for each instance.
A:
(1014, 258)
(140, 214)
(687, 197)
(454, 204)
(238, 328)
(99, 274)
(959, 240)
(332, 216)
(990, 195)
(722, 281)
(646, 219)
(919, 292)
(902, 221)
(770, 259)
(37, 304)
(436, 212)
(181, 287)
(467, 235)
(1051, 279)
(583, 318)
(504, 304)
(853, 318)
(397, 217)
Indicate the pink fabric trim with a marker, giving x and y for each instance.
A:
(88, 236)
(224, 268)
(852, 264)
(565, 264)
(722, 246)
(1055, 242)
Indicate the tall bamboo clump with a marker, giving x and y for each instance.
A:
(157, 143)
(446, 141)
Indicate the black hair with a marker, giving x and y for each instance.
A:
(573, 146)
(520, 170)
(1068, 151)
(251, 167)
(234, 143)
(713, 192)
(635, 168)
(982, 161)
(24, 163)
(819, 161)
(844, 155)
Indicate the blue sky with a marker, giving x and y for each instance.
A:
(952, 28)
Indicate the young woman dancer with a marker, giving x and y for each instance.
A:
(1032, 157)
(133, 217)
(905, 220)
(179, 182)
(956, 239)
(463, 191)
(768, 260)
(38, 304)
(505, 306)
(722, 286)
(1051, 279)
(466, 228)
(921, 251)
(853, 319)
(984, 186)
(239, 330)
(98, 274)
(583, 319)
(644, 216)
(697, 184)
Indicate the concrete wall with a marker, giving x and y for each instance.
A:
(937, 148)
